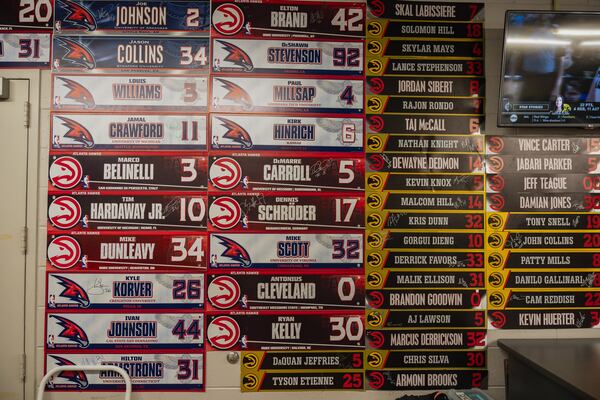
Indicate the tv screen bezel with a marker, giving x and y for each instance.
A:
(500, 124)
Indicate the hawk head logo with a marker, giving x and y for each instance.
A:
(237, 56)
(77, 132)
(375, 299)
(78, 93)
(78, 15)
(64, 212)
(236, 94)
(227, 19)
(223, 332)
(250, 360)
(236, 133)
(498, 319)
(64, 252)
(376, 379)
(65, 172)
(496, 144)
(376, 123)
(77, 377)
(234, 251)
(223, 292)
(73, 291)
(224, 213)
(76, 54)
(376, 339)
(250, 381)
(377, 7)
(225, 173)
(71, 331)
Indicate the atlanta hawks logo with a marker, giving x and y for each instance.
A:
(496, 164)
(236, 94)
(233, 250)
(377, 7)
(75, 378)
(76, 132)
(375, 299)
(225, 173)
(497, 299)
(223, 332)
(376, 162)
(376, 123)
(376, 85)
(64, 212)
(75, 55)
(496, 202)
(236, 134)
(77, 17)
(65, 172)
(224, 292)
(250, 382)
(71, 331)
(227, 19)
(236, 56)
(376, 339)
(496, 182)
(495, 144)
(224, 213)
(250, 360)
(64, 252)
(376, 380)
(72, 291)
(77, 93)
(497, 319)
(374, 359)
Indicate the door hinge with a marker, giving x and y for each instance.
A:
(24, 239)
(27, 111)
(23, 367)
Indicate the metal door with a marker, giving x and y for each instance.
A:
(13, 207)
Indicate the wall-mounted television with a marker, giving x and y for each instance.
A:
(550, 69)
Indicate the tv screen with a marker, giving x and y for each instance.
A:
(551, 69)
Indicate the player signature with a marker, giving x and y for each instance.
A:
(386, 159)
(460, 203)
(321, 167)
(457, 264)
(325, 239)
(471, 145)
(516, 297)
(171, 207)
(515, 241)
(580, 321)
(316, 17)
(394, 219)
(457, 180)
(253, 202)
(102, 14)
(97, 288)
(588, 281)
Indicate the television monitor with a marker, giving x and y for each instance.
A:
(550, 69)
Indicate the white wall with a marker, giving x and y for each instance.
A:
(222, 379)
